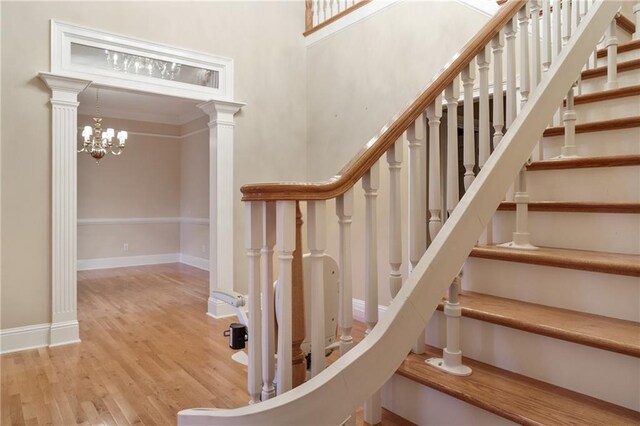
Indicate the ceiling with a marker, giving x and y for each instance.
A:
(139, 106)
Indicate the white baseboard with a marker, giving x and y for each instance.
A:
(23, 338)
(196, 262)
(358, 310)
(218, 309)
(118, 262)
(64, 333)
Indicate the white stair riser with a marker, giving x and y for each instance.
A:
(627, 78)
(609, 232)
(606, 184)
(602, 374)
(610, 295)
(608, 110)
(423, 405)
(622, 57)
(593, 144)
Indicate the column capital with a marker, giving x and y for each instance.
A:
(64, 89)
(220, 112)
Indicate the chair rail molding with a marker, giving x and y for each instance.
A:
(66, 80)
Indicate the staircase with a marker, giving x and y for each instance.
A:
(551, 334)
(564, 320)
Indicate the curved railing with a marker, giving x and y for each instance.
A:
(549, 62)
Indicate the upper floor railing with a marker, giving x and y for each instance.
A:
(320, 13)
(554, 41)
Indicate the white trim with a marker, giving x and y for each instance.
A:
(64, 333)
(119, 262)
(488, 8)
(143, 220)
(64, 34)
(196, 262)
(358, 310)
(24, 338)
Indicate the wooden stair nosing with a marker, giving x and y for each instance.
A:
(622, 48)
(608, 263)
(513, 396)
(606, 95)
(597, 126)
(546, 321)
(575, 206)
(585, 162)
(625, 66)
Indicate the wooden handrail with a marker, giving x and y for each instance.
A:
(390, 133)
(311, 29)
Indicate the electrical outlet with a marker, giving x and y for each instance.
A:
(125, 247)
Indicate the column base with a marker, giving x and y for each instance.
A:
(519, 246)
(64, 333)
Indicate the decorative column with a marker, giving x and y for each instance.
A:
(64, 216)
(221, 194)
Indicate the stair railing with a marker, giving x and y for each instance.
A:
(335, 391)
(320, 13)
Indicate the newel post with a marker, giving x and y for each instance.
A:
(64, 168)
(221, 194)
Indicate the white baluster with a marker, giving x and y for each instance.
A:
(557, 47)
(611, 43)
(535, 60)
(417, 234)
(451, 94)
(546, 35)
(316, 12)
(510, 36)
(324, 9)
(434, 114)
(498, 89)
(569, 117)
(484, 131)
(636, 14)
(316, 236)
(575, 14)
(268, 314)
(566, 21)
(253, 244)
(286, 244)
(535, 43)
(469, 145)
(521, 238)
(523, 21)
(394, 159)
(344, 211)
(451, 361)
(370, 185)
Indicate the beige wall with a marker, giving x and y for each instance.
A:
(143, 182)
(270, 131)
(357, 80)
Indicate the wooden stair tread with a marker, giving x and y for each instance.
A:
(515, 397)
(586, 162)
(624, 66)
(597, 126)
(606, 333)
(575, 206)
(595, 261)
(622, 48)
(625, 24)
(606, 95)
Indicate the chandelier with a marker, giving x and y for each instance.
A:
(96, 142)
(141, 65)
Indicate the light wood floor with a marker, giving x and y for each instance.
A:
(148, 351)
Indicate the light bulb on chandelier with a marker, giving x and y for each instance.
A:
(97, 142)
